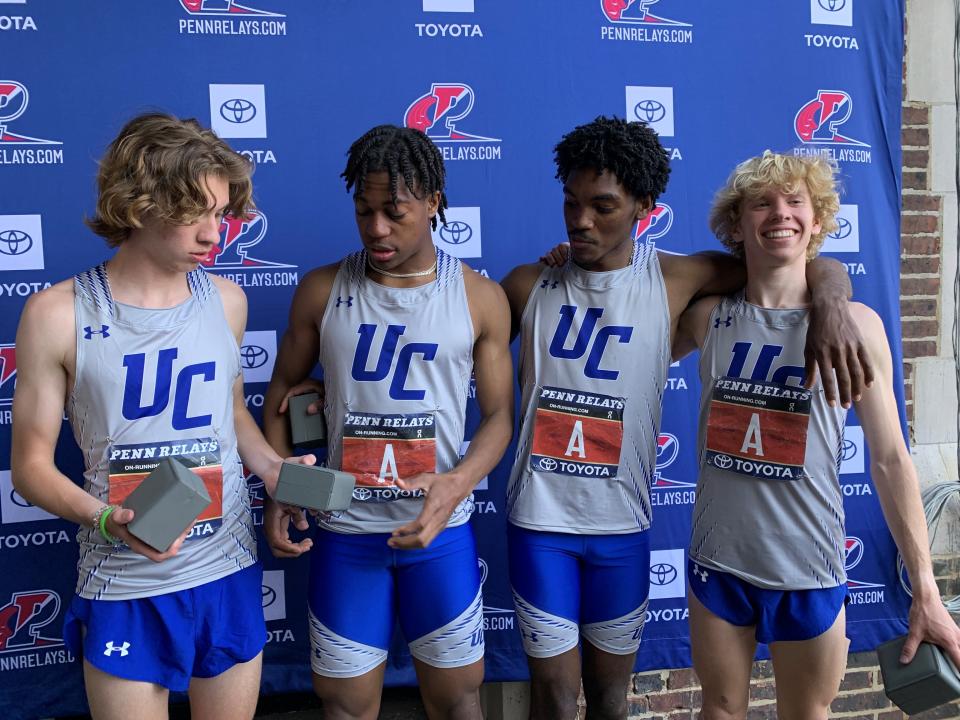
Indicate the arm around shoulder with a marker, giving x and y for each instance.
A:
(690, 277)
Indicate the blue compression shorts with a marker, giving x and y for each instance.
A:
(359, 586)
(565, 584)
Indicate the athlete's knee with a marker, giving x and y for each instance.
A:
(722, 707)
(606, 701)
(553, 698)
(814, 707)
(463, 706)
(341, 701)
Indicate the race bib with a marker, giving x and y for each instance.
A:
(577, 433)
(130, 464)
(758, 429)
(378, 449)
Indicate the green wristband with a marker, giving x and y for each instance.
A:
(102, 524)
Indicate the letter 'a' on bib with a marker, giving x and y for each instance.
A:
(315, 488)
(927, 681)
(166, 503)
(577, 433)
(758, 429)
(306, 430)
(380, 449)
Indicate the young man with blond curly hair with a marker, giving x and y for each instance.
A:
(143, 351)
(768, 459)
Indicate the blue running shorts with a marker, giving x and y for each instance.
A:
(779, 615)
(167, 639)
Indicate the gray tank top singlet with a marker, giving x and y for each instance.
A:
(152, 384)
(594, 357)
(768, 506)
(397, 364)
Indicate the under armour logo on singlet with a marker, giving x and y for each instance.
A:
(700, 573)
(89, 332)
(124, 649)
(348, 302)
(553, 285)
(726, 323)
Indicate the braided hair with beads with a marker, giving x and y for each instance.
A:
(401, 152)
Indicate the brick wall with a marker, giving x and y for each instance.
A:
(920, 235)
(675, 695)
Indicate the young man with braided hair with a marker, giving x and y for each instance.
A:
(144, 351)
(594, 354)
(398, 328)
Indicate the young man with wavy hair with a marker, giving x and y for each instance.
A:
(768, 459)
(143, 351)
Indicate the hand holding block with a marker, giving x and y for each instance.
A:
(316, 488)
(929, 680)
(306, 430)
(165, 504)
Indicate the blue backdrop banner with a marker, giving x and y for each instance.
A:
(290, 84)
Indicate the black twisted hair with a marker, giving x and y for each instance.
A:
(630, 150)
(400, 152)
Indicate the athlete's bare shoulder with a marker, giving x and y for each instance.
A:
(229, 290)
(487, 302)
(517, 285)
(314, 288)
(474, 281)
(48, 320)
(52, 302)
(865, 314)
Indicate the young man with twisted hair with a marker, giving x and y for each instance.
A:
(768, 454)
(398, 327)
(595, 338)
(143, 351)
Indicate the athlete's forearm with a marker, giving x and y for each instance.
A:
(828, 281)
(898, 489)
(275, 427)
(42, 484)
(486, 448)
(256, 453)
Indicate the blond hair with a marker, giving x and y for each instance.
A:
(786, 173)
(157, 168)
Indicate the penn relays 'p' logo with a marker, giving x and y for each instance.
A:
(237, 237)
(438, 113)
(224, 8)
(22, 619)
(656, 224)
(635, 12)
(853, 552)
(8, 372)
(818, 122)
(14, 99)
